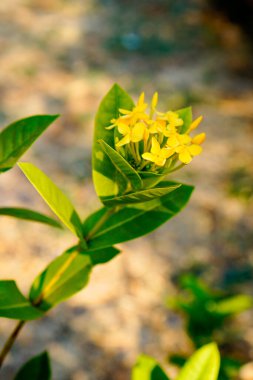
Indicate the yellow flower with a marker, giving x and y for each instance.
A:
(132, 134)
(156, 126)
(176, 139)
(122, 120)
(187, 152)
(138, 112)
(185, 146)
(157, 155)
(153, 129)
(172, 118)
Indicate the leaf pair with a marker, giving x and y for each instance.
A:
(15, 139)
(65, 276)
(136, 219)
(203, 365)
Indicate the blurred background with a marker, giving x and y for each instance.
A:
(59, 56)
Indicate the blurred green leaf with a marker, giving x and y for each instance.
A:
(206, 310)
(122, 166)
(233, 305)
(37, 368)
(14, 305)
(147, 368)
(54, 197)
(64, 276)
(16, 138)
(138, 219)
(108, 181)
(34, 216)
(186, 115)
(204, 364)
(141, 196)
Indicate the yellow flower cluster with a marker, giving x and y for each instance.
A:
(152, 141)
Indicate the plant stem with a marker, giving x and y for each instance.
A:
(10, 341)
(176, 168)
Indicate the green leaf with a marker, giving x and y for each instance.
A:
(107, 179)
(123, 167)
(147, 368)
(19, 136)
(137, 219)
(14, 305)
(233, 305)
(64, 276)
(34, 216)
(204, 364)
(186, 115)
(37, 368)
(102, 256)
(140, 196)
(54, 197)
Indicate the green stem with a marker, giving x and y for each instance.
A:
(10, 341)
(177, 168)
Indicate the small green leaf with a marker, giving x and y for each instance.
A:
(54, 197)
(19, 136)
(14, 305)
(102, 256)
(186, 115)
(34, 216)
(64, 276)
(37, 368)
(147, 368)
(233, 305)
(107, 179)
(136, 220)
(123, 167)
(140, 196)
(204, 364)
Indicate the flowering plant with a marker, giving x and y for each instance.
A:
(133, 152)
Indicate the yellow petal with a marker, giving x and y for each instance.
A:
(160, 161)
(179, 149)
(149, 157)
(178, 122)
(110, 127)
(155, 149)
(172, 141)
(185, 156)
(153, 128)
(166, 153)
(124, 141)
(195, 123)
(146, 134)
(123, 128)
(184, 139)
(138, 132)
(154, 100)
(195, 150)
(199, 139)
(141, 99)
(125, 112)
